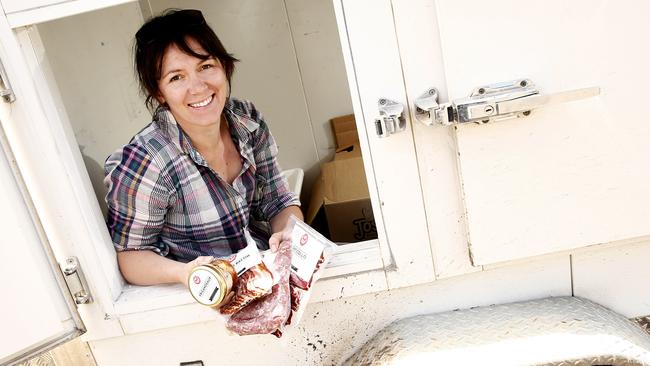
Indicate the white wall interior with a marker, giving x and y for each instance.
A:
(291, 68)
(90, 56)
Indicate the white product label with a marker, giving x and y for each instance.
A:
(268, 257)
(204, 286)
(246, 258)
(306, 250)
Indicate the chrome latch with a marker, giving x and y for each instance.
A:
(76, 282)
(5, 88)
(491, 103)
(391, 118)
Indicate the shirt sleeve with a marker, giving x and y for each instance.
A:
(272, 193)
(137, 200)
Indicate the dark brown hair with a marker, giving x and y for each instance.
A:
(174, 27)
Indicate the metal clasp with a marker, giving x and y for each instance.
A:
(391, 118)
(76, 281)
(491, 103)
(5, 87)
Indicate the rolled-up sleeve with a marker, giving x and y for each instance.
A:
(137, 200)
(273, 192)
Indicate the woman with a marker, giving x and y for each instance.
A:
(190, 183)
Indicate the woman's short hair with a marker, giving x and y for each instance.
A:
(174, 27)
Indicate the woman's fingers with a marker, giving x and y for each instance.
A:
(274, 241)
(189, 266)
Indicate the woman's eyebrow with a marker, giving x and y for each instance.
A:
(170, 72)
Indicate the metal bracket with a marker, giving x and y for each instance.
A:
(76, 281)
(5, 88)
(391, 118)
(491, 103)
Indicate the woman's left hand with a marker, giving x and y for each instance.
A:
(276, 239)
(279, 225)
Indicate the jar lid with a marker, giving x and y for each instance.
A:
(207, 285)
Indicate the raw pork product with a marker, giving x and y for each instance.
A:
(253, 284)
(303, 284)
(266, 315)
(299, 288)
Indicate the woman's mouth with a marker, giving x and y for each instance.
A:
(202, 103)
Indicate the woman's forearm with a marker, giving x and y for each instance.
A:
(279, 221)
(144, 267)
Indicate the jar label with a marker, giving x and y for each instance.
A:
(204, 286)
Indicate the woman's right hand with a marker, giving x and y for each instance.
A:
(189, 266)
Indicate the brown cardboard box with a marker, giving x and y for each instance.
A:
(343, 191)
(345, 131)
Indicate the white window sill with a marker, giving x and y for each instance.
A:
(348, 260)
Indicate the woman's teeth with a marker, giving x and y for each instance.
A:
(201, 104)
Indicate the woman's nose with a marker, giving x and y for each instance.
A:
(197, 84)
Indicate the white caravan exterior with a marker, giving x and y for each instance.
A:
(555, 203)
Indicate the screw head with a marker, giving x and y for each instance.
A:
(523, 83)
(481, 91)
(489, 109)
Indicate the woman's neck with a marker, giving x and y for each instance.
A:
(208, 139)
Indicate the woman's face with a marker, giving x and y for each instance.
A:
(195, 90)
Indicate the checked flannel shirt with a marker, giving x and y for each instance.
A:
(163, 196)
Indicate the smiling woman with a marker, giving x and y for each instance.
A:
(192, 184)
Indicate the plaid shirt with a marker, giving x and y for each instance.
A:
(163, 196)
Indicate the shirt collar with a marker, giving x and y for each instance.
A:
(242, 126)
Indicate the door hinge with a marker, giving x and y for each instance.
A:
(76, 281)
(492, 103)
(5, 87)
(391, 118)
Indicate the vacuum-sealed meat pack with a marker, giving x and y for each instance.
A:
(272, 288)
(269, 313)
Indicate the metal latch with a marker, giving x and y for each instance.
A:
(5, 88)
(492, 103)
(391, 118)
(76, 281)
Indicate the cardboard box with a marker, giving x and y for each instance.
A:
(345, 131)
(343, 192)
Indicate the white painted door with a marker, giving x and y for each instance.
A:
(37, 314)
(567, 176)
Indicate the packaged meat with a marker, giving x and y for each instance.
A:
(254, 279)
(310, 253)
(266, 315)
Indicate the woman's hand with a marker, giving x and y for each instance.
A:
(276, 239)
(279, 225)
(189, 266)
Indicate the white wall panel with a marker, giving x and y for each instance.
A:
(616, 277)
(91, 59)
(331, 330)
(318, 50)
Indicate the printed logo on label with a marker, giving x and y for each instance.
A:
(303, 239)
(232, 258)
(196, 279)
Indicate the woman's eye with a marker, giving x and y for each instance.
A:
(206, 66)
(174, 78)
